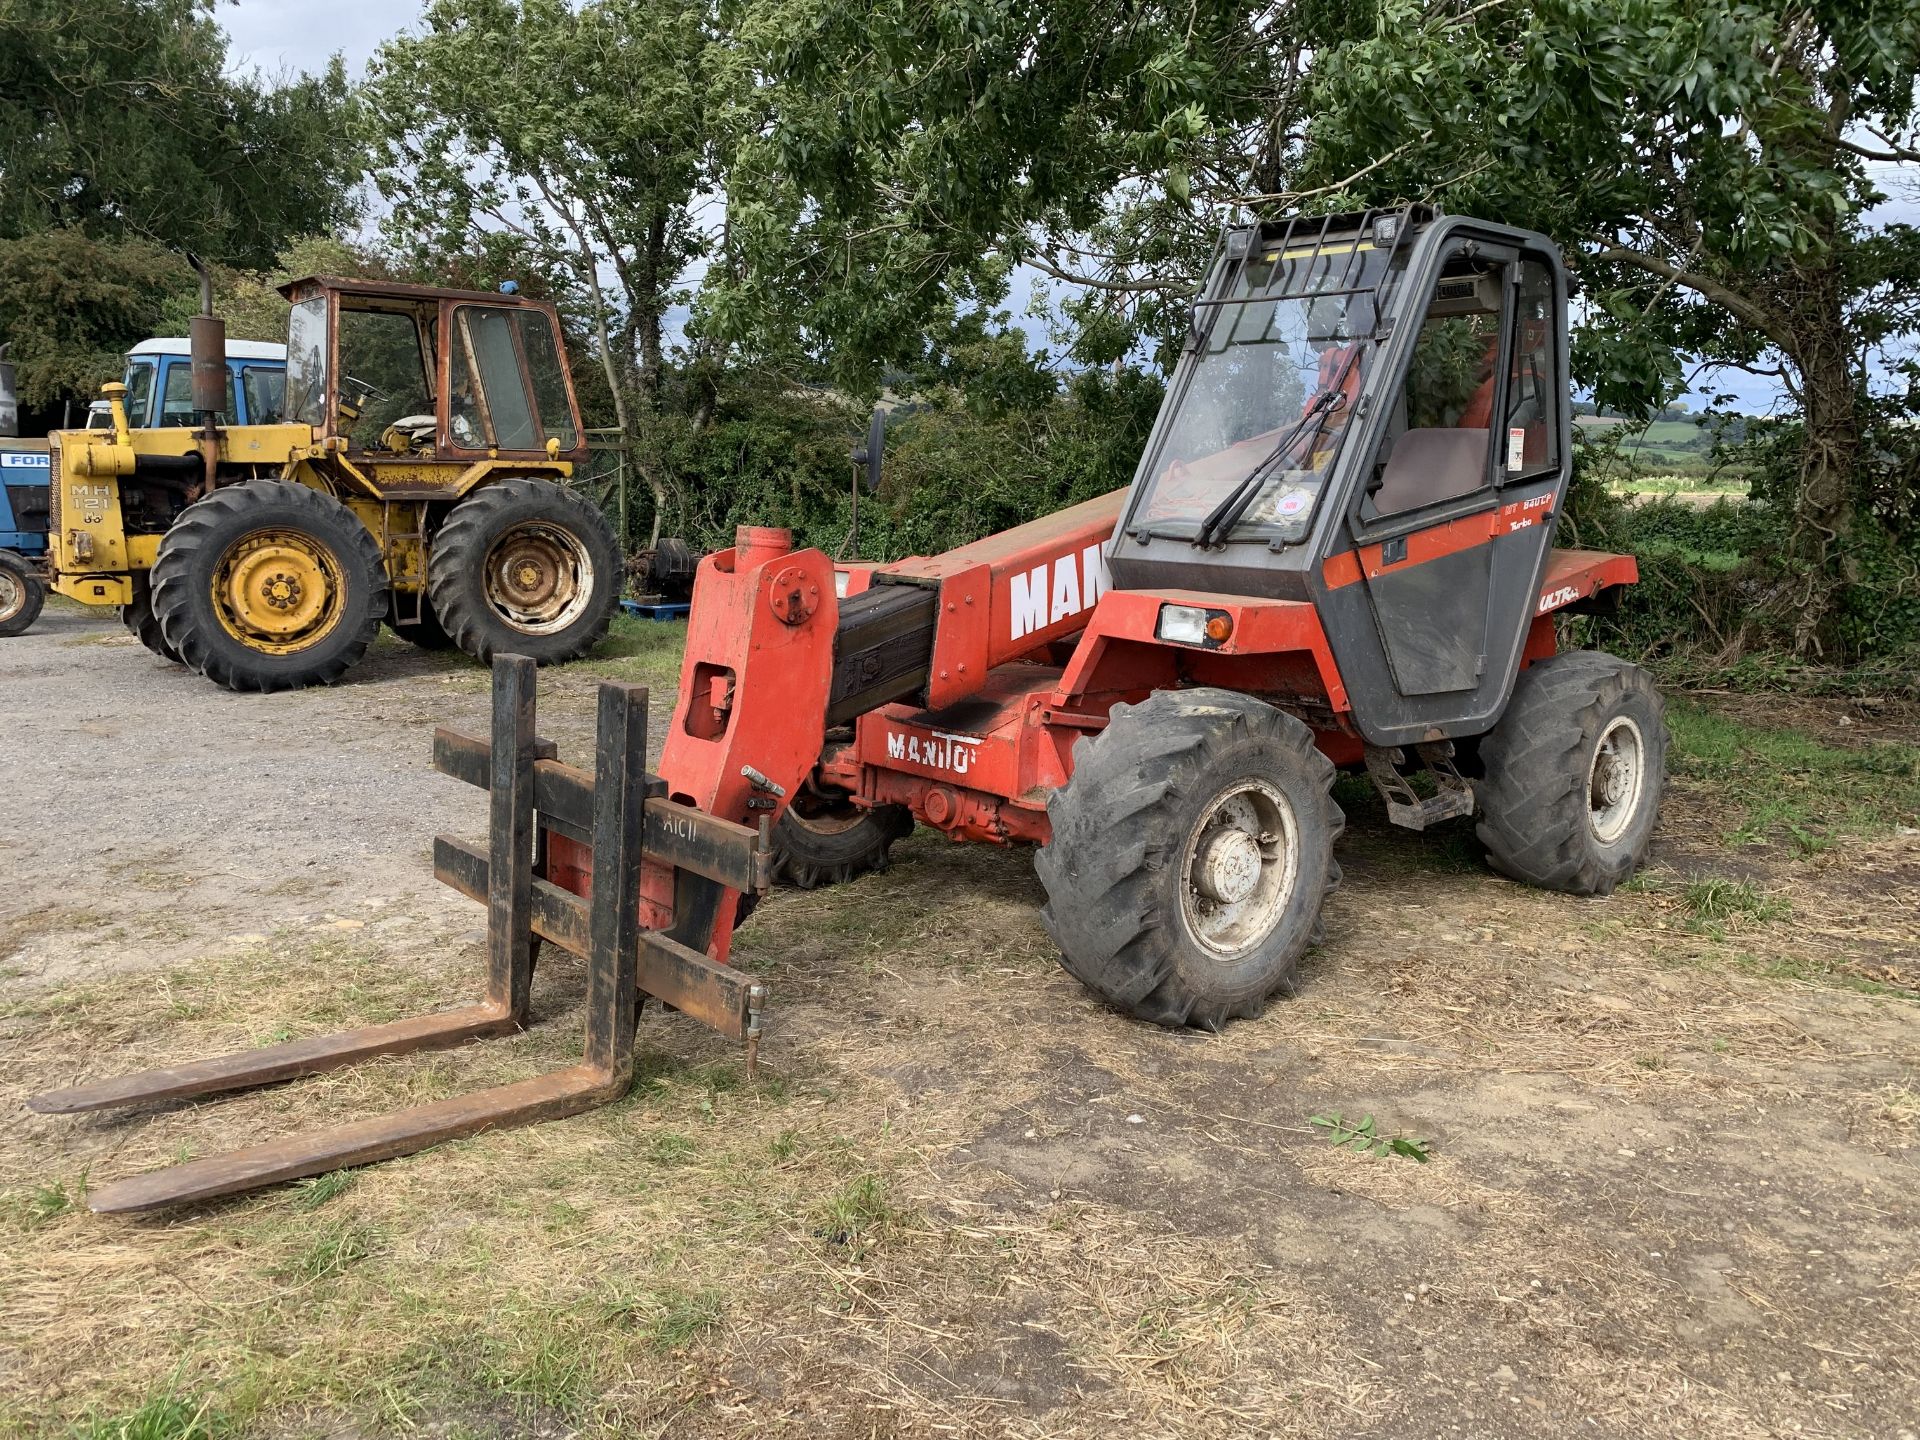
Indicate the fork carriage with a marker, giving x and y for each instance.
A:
(620, 814)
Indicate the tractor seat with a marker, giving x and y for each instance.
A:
(1428, 466)
(408, 433)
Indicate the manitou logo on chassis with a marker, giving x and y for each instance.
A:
(1049, 593)
(938, 751)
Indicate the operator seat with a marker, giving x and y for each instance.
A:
(1428, 466)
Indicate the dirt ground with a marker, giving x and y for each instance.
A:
(1672, 1188)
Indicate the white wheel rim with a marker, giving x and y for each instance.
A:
(539, 578)
(1616, 778)
(1239, 867)
(13, 595)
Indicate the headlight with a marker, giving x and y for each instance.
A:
(840, 579)
(1185, 624)
(1192, 625)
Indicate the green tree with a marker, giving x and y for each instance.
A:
(1703, 163)
(898, 161)
(71, 304)
(117, 119)
(585, 132)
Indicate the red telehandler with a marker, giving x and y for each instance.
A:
(1336, 553)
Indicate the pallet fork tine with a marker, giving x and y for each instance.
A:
(624, 961)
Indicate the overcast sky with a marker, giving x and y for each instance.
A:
(276, 35)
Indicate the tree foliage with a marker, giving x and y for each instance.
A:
(117, 119)
(1705, 166)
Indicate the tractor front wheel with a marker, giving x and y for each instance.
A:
(1573, 774)
(526, 567)
(1192, 850)
(21, 594)
(268, 585)
(143, 624)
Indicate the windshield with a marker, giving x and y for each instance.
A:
(1267, 366)
(1269, 395)
(306, 394)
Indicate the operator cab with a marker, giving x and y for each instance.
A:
(427, 373)
(1369, 415)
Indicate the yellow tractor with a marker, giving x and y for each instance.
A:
(415, 476)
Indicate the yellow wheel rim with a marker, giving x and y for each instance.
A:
(278, 591)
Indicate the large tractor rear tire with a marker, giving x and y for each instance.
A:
(1573, 774)
(1192, 851)
(143, 624)
(824, 841)
(268, 585)
(21, 595)
(526, 567)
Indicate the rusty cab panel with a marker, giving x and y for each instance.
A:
(419, 392)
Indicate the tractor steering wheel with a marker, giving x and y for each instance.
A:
(366, 394)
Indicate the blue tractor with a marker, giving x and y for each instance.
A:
(23, 513)
(159, 393)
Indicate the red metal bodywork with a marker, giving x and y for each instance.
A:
(1031, 651)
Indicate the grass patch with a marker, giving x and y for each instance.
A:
(312, 1194)
(163, 1417)
(636, 649)
(859, 1215)
(1713, 902)
(669, 1318)
(333, 1251)
(1788, 788)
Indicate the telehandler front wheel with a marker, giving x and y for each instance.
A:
(268, 585)
(143, 624)
(1573, 774)
(1192, 850)
(527, 567)
(21, 594)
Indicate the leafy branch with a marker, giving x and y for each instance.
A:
(1363, 1137)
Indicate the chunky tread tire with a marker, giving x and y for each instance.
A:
(143, 624)
(456, 579)
(1113, 869)
(807, 858)
(1533, 798)
(182, 579)
(32, 595)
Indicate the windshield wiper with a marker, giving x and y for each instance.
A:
(1223, 517)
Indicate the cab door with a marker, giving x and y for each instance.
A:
(1448, 530)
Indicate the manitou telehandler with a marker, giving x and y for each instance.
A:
(413, 476)
(1336, 554)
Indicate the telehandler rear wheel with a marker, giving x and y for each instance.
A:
(528, 567)
(21, 594)
(1573, 774)
(143, 623)
(1192, 850)
(268, 585)
(822, 840)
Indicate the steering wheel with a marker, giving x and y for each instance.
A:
(365, 393)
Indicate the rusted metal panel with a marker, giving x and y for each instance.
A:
(558, 915)
(545, 1097)
(274, 1063)
(510, 835)
(676, 835)
(718, 996)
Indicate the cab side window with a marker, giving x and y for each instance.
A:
(1531, 433)
(1439, 443)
